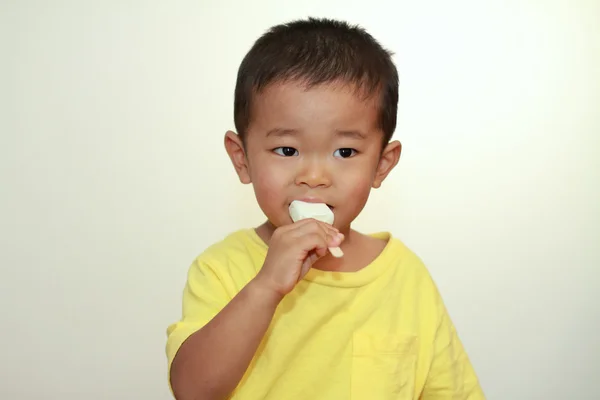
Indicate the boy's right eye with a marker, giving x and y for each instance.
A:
(286, 151)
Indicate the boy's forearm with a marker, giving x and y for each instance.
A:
(212, 361)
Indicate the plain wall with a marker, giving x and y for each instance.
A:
(114, 177)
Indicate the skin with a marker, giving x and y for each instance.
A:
(320, 144)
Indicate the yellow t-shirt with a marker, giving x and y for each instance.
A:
(376, 334)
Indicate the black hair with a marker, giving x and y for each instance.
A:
(316, 51)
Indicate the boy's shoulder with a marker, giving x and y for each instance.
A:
(398, 254)
(241, 251)
(391, 247)
(242, 241)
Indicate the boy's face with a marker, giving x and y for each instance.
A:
(321, 144)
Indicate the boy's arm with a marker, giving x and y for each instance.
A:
(212, 361)
(213, 345)
(451, 375)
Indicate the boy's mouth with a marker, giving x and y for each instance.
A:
(314, 201)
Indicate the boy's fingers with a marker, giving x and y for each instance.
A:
(312, 234)
(307, 225)
(328, 236)
(307, 221)
(310, 260)
(321, 252)
(319, 242)
(313, 240)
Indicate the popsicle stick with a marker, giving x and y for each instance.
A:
(336, 252)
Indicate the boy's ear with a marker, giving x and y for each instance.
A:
(237, 154)
(388, 160)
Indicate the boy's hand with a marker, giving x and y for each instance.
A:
(293, 250)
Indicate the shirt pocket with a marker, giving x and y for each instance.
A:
(383, 367)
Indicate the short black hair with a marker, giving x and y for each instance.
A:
(316, 51)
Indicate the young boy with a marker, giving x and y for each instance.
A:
(268, 313)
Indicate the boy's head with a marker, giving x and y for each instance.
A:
(315, 109)
(314, 52)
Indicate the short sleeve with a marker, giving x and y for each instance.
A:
(451, 375)
(204, 296)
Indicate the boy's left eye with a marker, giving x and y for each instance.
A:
(286, 151)
(344, 153)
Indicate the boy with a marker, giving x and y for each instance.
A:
(268, 313)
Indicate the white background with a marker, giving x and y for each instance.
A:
(113, 178)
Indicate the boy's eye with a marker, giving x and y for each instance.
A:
(344, 153)
(286, 151)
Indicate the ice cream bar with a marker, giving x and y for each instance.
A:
(319, 211)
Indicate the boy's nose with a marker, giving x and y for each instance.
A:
(314, 174)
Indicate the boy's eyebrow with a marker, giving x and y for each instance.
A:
(282, 132)
(353, 134)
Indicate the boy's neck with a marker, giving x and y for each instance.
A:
(359, 250)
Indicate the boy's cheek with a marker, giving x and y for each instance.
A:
(361, 193)
(357, 193)
(270, 193)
